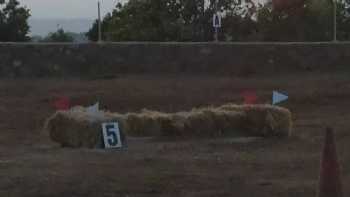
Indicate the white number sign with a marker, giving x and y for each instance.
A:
(111, 135)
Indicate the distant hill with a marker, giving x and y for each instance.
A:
(42, 27)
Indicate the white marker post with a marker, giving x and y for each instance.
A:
(335, 21)
(111, 135)
(216, 25)
(278, 97)
(216, 22)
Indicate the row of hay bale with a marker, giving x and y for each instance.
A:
(78, 128)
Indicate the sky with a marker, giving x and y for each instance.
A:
(67, 9)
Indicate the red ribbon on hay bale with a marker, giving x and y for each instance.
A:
(249, 97)
(62, 103)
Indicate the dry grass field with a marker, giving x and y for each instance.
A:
(31, 165)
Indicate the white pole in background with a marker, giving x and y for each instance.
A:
(216, 33)
(335, 21)
(99, 22)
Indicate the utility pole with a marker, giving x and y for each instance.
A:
(99, 22)
(335, 21)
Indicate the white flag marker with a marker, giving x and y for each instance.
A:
(278, 97)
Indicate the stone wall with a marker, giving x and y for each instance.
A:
(109, 59)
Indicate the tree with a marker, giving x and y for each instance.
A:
(343, 20)
(59, 36)
(310, 22)
(148, 20)
(13, 21)
(238, 21)
(287, 4)
(92, 34)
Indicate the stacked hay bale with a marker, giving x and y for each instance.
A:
(76, 128)
(264, 120)
(210, 122)
(146, 123)
(79, 128)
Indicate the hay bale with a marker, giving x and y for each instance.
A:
(264, 120)
(208, 122)
(173, 125)
(78, 128)
(146, 123)
(200, 123)
(229, 123)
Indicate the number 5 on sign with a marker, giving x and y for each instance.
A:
(111, 135)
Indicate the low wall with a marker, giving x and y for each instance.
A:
(108, 59)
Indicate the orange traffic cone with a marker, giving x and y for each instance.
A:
(330, 183)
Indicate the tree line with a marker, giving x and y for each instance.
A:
(242, 20)
(191, 20)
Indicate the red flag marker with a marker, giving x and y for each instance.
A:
(330, 183)
(62, 103)
(249, 97)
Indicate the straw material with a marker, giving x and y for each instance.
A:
(77, 128)
(264, 120)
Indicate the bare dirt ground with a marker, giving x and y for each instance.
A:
(30, 165)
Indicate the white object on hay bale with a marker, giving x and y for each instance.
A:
(79, 127)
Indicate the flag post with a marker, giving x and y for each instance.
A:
(216, 22)
(99, 22)
(334, 20)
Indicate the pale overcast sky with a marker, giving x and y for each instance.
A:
(68, 8)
